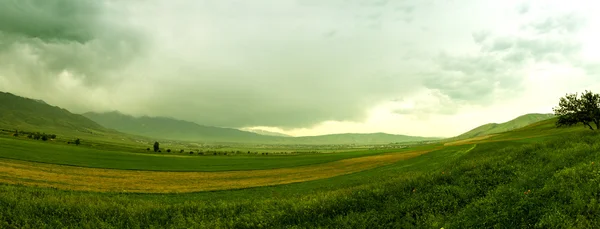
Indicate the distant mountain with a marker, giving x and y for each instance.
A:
(492, 128)
(168, 128)
(372, 138)
(266, 133)
(36, 115)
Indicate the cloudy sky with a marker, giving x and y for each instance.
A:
(303, 67)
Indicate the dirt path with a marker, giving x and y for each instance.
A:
(112, 180)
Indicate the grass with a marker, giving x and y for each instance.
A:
(63, 154)
(545, 178)
(88, 179)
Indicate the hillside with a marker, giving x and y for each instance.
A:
(35, 115)
(167, 128)
(492, 128)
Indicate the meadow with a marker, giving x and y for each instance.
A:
(119, 158)
(528, 178)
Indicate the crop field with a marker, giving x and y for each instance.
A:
(501, 181)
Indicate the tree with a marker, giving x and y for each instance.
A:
(44, 138)
(168, 150)
(156, 146)
(573, 109)
(77, 142)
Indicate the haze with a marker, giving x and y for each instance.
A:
(424, 68)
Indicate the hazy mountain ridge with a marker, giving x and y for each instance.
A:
(168, 128)
(22, 113)
(36, 115)
(493, 128)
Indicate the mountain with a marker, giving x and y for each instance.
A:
(492, 128)
(168, 128)
(36, 115)
(267, 133)
(371, 138)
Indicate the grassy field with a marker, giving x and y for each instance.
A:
(536, 177)
(60, 153)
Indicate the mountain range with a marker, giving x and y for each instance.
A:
(36, 115)
(168, 128)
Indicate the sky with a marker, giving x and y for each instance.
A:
(304, 67)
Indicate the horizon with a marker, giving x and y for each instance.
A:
(304, 68)
(254, 129)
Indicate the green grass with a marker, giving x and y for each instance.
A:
(60, 153)
(467, 186)
(492, 128)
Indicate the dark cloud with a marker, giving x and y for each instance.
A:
(58, 20)
(47, 38)
(212, 72)
(263, 64)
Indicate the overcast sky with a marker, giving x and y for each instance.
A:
(304, 67)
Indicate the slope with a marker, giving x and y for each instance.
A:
(492, 128)
(35, 115)
(167, 128)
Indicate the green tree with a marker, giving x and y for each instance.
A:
(44, 138)
(573, 109)
(77, 142)
(156, 146)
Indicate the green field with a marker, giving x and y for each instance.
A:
(37, 151)
(535, 177)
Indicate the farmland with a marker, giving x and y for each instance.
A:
(438, 185)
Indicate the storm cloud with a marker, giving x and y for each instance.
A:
(286, 64)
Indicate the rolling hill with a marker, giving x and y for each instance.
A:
(35, 115)
(493, 128)
(168, 128)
